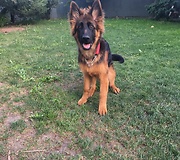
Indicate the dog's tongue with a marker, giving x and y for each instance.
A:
(86, 46)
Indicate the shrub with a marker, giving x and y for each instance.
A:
(160, 8)
(3, 20)
(3, 17)
(27, 9)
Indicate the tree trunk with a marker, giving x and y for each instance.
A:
(12, 18)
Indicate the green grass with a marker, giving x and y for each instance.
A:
(42, 83)
(19, 125)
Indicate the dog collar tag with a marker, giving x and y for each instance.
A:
(98, 49)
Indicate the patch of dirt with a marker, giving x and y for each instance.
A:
(3, 108)
(13, 141)
(27, 144)
(12, 117)
(53, 143)
(38, 147)
(11, 29)
(19, 141)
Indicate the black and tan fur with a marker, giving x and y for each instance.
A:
(87, 27)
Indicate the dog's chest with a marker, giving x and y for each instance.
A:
(94, 70)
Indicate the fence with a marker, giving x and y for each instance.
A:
(112, 8)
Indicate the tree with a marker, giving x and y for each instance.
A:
(161, 8)
(27, 9)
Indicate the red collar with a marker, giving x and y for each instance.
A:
(98, 49)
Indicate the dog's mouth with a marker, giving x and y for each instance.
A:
(86, 46)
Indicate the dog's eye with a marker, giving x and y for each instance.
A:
(90, 26)
(80, 26)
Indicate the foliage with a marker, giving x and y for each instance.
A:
(3, 20)
(27, 9)
(160, 8)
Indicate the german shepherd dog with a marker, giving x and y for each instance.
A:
(94, 58)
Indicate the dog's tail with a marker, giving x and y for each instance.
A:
(116, 57)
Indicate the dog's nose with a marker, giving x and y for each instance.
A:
(86, 38)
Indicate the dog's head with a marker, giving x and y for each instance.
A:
(87, 25)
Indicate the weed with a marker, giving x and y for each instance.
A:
(19, 125)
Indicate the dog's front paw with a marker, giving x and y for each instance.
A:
(82, 101)
(102, 110)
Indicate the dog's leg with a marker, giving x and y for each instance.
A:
(111, 77)
(104, 85)
(93, 86)
(87, 82)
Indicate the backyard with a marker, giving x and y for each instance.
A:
(40, 84)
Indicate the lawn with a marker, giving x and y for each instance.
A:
(40, 84)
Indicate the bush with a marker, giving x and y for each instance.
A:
(27, 9)
(3, 20)
(160, 8)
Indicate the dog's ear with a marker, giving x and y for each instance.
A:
(74, 12)
(98, 15)
(96, 10)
